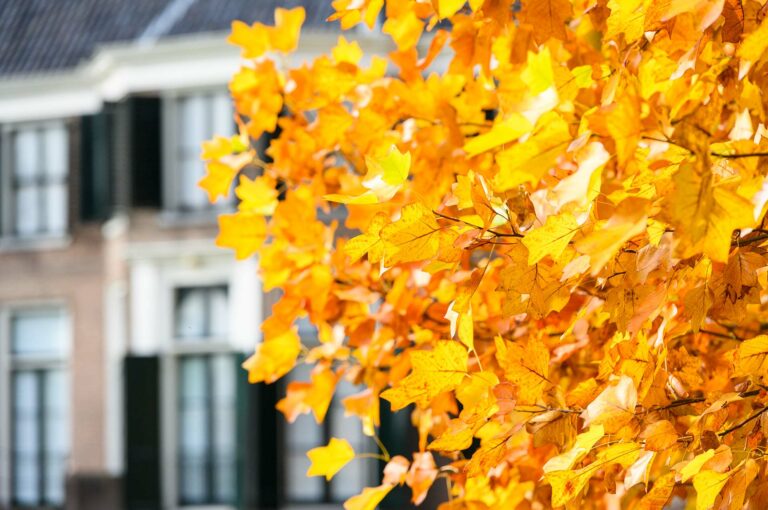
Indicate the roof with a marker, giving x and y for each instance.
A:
(38, 36)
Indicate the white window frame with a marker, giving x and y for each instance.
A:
(7, 366)
(326, 433)
(9, 239)
(171, 351)
(172, 214)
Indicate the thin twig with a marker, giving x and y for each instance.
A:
(744, 422)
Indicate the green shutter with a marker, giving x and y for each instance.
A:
(142, 483)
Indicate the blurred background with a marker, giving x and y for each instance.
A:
(122, 326)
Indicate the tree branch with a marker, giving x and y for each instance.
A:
(744, 422)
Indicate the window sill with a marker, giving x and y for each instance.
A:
(310, 506)
(174, 219)
(206, 507)
(25, 244)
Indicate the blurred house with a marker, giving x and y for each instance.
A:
(122, 326)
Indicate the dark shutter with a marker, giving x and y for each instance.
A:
(400, 438)
(145, 151)
(96, 165)
(142, 485)
(259, 452)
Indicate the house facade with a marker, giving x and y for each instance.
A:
(122, 326)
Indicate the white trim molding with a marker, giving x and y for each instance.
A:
(121, 69)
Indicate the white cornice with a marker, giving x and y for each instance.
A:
(117, 70)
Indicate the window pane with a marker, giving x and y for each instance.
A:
(39, 333)
(299, 487)
(55, 143)
(26, 437)
(56, 208)
(194, 118)
(56, 430)
(223, 122)
(191, 196)
(190, 313)
(26, 152)
(349, 482)
(224, 409)
(194, 430)
(192, 121)
(27, 210)
(40, 165)
(201, 313)
(200, 116)
(217, 312)
(301, 436)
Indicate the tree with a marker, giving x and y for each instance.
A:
(554, 252)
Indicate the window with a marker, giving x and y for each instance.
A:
(206, 373)
(35, 181)
(305, 434)
(190, 120)
(39, 407)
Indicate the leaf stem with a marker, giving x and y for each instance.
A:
(385, 453)
(377, 456)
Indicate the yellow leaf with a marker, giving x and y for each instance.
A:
(257, 196)
(659, 436)
(258, 39)
(384, 179)
(370, 242)
(566, 485)
(273, 358)
(461, 323)
(529, 161)
(368, 499)
(315, 396)
(501, 133)
(434, 372)
(254, 40)
(243, 232)
(614, 407)
(752, 357)
(466, 329)
(405, 29)
(582, 446)
(602, 244)
(413, 237)
(536, 290)
(476, 395)
(547, 18)
(220, 146)
(657, 497)
(708, 485)
(364, 405)
(527, 367)
(695, 465)
(285, 35)
(551, 238)
(706, 213)
(755, 44)
(582, 186)
(447, 8)
(217, 180)
(627, 18)
(352, 12)
(345, 51)
(456, 437)
(328, 460)
(623, 454)
(538, 74)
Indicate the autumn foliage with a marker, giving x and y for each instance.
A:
(551, 251)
